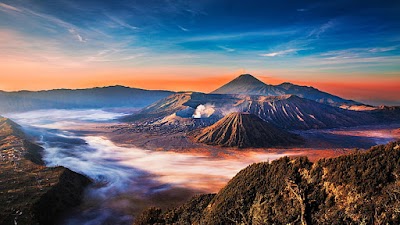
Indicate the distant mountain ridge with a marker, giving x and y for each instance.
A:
(99, 97)
(249, 85)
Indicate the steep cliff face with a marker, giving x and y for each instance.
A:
(245, 130)
(31, 193)
(361, 188)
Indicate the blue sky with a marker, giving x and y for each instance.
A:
(360, 39)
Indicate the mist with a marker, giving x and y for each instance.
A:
(126, 179)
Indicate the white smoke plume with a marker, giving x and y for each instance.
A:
(203, 111)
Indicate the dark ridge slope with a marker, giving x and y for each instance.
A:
(31, 193)
(361, 188)
(245, 130)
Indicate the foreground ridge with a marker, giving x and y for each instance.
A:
(30, 192)
(363, 187)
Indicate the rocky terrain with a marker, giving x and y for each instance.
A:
(245, 130)
(182, 105)
(360, 188)
(286, 111)
(296, 113)
(31, 193)
(287, 106)
(249, 85)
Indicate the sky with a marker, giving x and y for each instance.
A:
(348, 48)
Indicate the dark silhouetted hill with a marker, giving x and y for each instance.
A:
(101, 97)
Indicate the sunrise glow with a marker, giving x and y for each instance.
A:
(352, 51)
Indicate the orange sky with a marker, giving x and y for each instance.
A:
(373, 89)
(41, 49)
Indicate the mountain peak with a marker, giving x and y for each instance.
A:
(247, 84)
(246, 75)
(247, 78)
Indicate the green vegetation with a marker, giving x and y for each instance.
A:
(361, 188)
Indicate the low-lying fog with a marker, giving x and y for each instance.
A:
(126, 179)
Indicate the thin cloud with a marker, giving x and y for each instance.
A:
(122, 23)
(352, 61)
(232, 36)
(9, 7)
(118, 53)
(356, 52)
(17, 48)
(322, 29)
(183, 29)
(51, 19)
(284, 52)
(226, 48)
(382, 49)
(77, 35)
(69, 27)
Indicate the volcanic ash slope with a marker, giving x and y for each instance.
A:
(245, 130)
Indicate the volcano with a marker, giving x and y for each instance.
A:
(245, 130)
(247, 84)
(286, 111)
